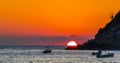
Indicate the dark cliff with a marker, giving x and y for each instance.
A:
(107, 38)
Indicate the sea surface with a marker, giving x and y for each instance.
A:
(32, 54)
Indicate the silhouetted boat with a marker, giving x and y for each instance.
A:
(47, 51)
(105, 55)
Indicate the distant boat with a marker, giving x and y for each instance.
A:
(105, 55)
(47, 50)
(100, 55)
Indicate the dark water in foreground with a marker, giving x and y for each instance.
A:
(59, 55)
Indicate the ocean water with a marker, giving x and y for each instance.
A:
(58, 55)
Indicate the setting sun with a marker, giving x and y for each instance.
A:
(72, 43)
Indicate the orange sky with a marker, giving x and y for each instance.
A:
(55, 17)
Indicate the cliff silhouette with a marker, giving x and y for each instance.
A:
(107, 38)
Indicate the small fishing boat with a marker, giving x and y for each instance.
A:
(105, 55)
(47, 50)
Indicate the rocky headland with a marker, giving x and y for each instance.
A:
(107, 38)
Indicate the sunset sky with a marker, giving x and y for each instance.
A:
(53, 22)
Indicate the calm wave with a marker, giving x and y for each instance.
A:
(59, 55)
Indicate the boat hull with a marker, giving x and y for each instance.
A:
(47, 51)
(105, 56)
